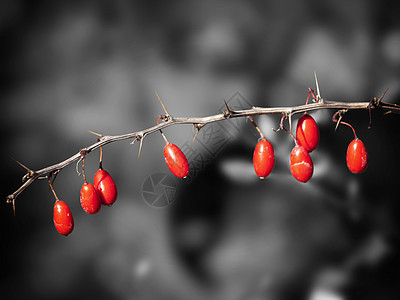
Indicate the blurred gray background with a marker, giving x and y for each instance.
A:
(68, 67)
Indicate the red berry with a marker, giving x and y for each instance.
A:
(307, 133)
(62, 218)
(106, 187)
(90, 200)
(357, 156)
(176, 160)
(263, 158)
(301, 165)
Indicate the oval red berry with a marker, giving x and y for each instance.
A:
(301, 165)
(357, 156)
(105, 187)
(176, 160)
(90, 200)
(307, 133)
(263, 158)
(62, 218)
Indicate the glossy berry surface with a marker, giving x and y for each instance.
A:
(301, 165)
(62, 218)
(176, 160)
(357, 156)
(263, 158)
(90, 200)
(307, 133)
(105, 187)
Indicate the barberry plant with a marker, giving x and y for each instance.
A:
(104, 190)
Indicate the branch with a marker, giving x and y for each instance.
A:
(198, 123)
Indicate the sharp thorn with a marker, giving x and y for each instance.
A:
(381, 97)
(195, 135)
(140, 147)
(336, 127)
(370, 117)
(337, 123)
(136, 139)
(162, 104)
(317, 85)
(54, 177)
(227, 107)
(21, 164)
(95, 133)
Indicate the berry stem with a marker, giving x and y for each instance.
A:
(281, 126)
(292, 135)
(311, 91)
(334, 119)
(101, 159)
(163, 135)
(255, 125)
(308, 97)
(83, 169)
(355, 135)
(52, 189)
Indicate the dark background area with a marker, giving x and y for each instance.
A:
(67, 67)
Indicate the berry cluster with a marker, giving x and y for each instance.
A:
(306, 141)
(92, 196)
(104, 190)
(301, 164)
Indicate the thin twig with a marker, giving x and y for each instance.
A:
(31, 176)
